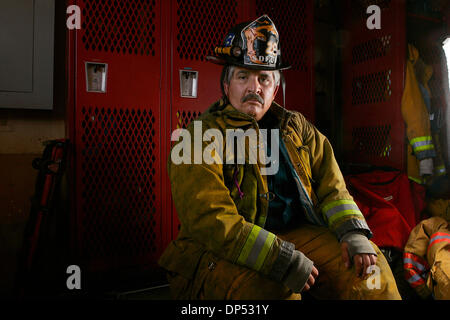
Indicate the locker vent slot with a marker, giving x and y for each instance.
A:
(186, 117)
(125, 27)
(372, 141)
(118, 160)
(201, 25)
(293, 28)
(371, 49)
(372, 88)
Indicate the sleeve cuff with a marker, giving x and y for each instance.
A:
(283, 260)
(357, 243)
(298, 273)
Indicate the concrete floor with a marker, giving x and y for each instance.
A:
(155, 293)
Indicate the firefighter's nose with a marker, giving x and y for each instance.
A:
(254, 85)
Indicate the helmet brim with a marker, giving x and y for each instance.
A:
(232, 62)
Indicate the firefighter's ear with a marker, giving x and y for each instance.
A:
(275, 91)
(225, 88)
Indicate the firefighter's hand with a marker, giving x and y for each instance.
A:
(311, 279)
(301, 273)
(362, 261)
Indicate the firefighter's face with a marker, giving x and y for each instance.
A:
(251, 91)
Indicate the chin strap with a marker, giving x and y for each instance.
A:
(283, 87)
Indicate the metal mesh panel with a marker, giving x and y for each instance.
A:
(374, 141)
(371, 49)
(118, 26)
(293, 27)
(201, 25)
(118, 160)
(372, 88)
(185, 117)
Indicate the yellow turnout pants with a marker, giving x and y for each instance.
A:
(220, 279)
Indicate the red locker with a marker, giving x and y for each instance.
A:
(373, 81)
(118, 214)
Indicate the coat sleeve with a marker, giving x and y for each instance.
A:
(415, 113)
(336, 205)
(210, 217)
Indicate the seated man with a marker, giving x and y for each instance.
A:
(265, 230)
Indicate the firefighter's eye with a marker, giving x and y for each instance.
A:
(264, 79)
(242, 76)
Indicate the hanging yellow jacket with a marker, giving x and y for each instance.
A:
(427, 258)
(223, 207)
(416, 115)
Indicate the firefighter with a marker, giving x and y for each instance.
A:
(251, 233)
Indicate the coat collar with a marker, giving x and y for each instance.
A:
(277, 115)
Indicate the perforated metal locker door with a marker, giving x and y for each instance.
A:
(119, 212)
(373, 73)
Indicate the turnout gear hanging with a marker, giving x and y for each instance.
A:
(424, 152)
(427, 259)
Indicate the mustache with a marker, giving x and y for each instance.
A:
(253, 96)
